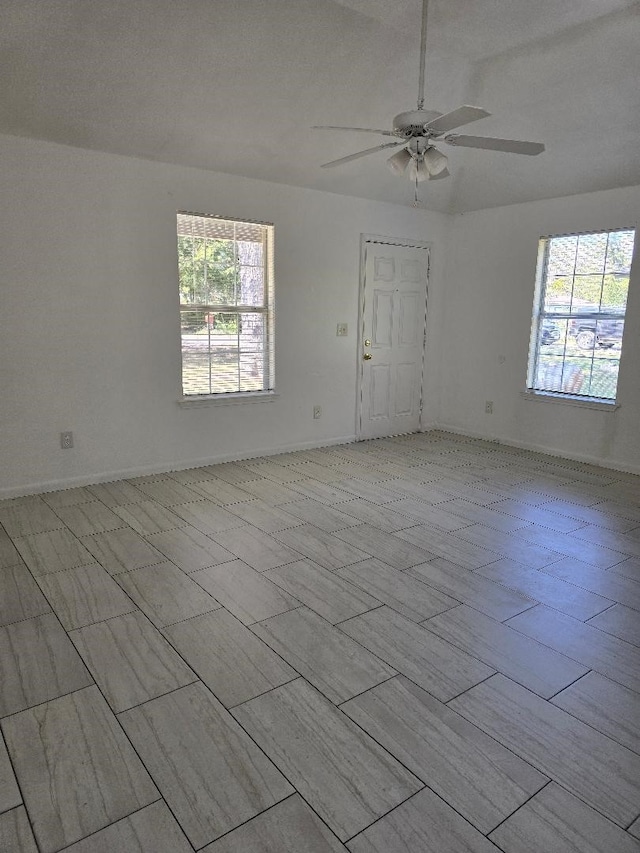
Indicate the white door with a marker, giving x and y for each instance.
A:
(393, 324)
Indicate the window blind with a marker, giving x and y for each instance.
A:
(226, 282)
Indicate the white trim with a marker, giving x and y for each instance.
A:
(266, 309)
(611, 465)
(404, 242)
(542, 314)
(184, 465)
(571, 400)
(235, 399)
(108, 477)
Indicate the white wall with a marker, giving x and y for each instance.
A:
(490, 275)
(89, 328)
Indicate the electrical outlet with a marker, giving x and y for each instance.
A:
(317, 412)
(342, 330)
(66, 440)
(488, 407)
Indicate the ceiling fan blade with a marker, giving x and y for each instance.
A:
(490, 143)
(350, 157)
(358, 129)
(463, 115)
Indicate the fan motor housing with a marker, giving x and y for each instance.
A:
(412, 122)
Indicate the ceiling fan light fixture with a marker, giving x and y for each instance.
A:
(445, 173)
(418, 170)
(399, 161)
(435, 161)
(417, 131)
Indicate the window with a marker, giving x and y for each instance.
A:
(225, 270)
(578, 313)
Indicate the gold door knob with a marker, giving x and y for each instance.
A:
(367, 356)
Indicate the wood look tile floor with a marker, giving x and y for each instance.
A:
(422, 643)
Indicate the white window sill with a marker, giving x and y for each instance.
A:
(571, 400)
(240, 398)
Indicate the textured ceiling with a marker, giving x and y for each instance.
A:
(235, 86)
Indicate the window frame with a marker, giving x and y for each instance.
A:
(540, 315)
(266, 310)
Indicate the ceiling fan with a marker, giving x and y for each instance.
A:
(418, 129)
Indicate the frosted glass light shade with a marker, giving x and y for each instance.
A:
(435, 162)
(399, 161)
(418, 170)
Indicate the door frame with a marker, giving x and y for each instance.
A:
(404, 242)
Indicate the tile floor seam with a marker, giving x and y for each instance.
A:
(338, 625)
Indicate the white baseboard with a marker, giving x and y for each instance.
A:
(125, 474)
(611, 464)
(185, 465)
